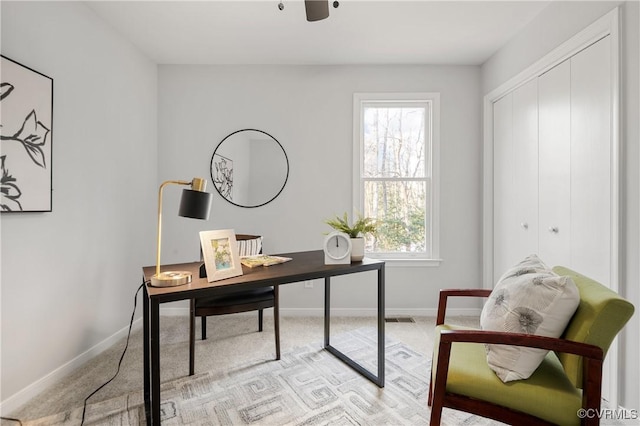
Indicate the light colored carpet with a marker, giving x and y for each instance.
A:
(233, 342)
(238, 379)
(308, 386)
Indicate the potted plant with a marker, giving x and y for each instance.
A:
(361, 227)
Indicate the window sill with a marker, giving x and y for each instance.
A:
(409, 263)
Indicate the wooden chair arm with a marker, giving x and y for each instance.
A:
(517, 339)
(444, 294)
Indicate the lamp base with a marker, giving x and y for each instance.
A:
(171, 279)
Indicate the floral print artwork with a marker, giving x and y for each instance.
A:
(222, 174)
(222, 253)
(26, 109)
(32, 135)
(9, 190)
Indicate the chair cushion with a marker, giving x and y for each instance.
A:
(529, 298)
(238, 298)
(547, 393)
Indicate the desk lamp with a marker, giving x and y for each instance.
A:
(195, 203)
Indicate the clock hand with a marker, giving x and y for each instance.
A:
(337, 242)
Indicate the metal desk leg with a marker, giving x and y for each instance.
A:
(155, 363)
(381, 345)
(379, 379)
(146, 366)
(327, 310)
(192, 336)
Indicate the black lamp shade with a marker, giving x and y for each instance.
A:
(195, 204)
(316, 9)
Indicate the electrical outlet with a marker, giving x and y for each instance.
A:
(308, 284)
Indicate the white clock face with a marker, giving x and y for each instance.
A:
(337, 246)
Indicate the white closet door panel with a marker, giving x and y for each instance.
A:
(554, 165)
(525, 164)
(503, 189)
(591, 161)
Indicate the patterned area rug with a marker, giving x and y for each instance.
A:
(308, 386)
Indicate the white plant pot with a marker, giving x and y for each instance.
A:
(357, 249)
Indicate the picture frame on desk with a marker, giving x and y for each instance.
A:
(220, 253)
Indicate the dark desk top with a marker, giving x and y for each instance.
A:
(306, 265)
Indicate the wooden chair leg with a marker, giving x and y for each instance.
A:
(430, 399)
(440, 384)
(260, 317)
(276, 320)
(192, 337)
(204, 327)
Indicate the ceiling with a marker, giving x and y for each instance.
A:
(357, 32)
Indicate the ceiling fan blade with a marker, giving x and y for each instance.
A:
(316, 9)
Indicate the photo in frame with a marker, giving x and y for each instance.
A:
(220, 252)
(26, 122)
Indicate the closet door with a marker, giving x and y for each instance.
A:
(591, 174)
(525, 163)
(515, 177)
(554, 164)
(503, 190)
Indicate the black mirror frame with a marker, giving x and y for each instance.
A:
(286, 178)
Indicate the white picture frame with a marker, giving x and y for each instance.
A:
(220, 253)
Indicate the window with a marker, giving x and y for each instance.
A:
(396, 141)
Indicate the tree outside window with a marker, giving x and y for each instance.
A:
(394, 178)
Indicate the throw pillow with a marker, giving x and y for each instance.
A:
(529, 298)
(250, 247)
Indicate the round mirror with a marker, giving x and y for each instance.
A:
(249, 168)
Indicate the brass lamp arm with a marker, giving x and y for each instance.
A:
(197, 184)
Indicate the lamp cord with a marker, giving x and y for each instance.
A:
(84, 407)
(135, 303)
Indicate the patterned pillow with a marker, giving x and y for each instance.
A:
(529, 298)
(250, 247)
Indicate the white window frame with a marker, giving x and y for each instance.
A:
(432, 257)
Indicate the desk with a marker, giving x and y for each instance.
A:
(304, 266)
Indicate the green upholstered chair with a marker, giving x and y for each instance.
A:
(569, 378)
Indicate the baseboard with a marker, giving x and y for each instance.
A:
(344, 312)
(372, 312)
(23, 396)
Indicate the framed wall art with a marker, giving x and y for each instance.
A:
(222, 175)
(26, 123)
(220, 252)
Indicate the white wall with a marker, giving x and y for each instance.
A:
(69, 276)
(309, 110)
(556, 24)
